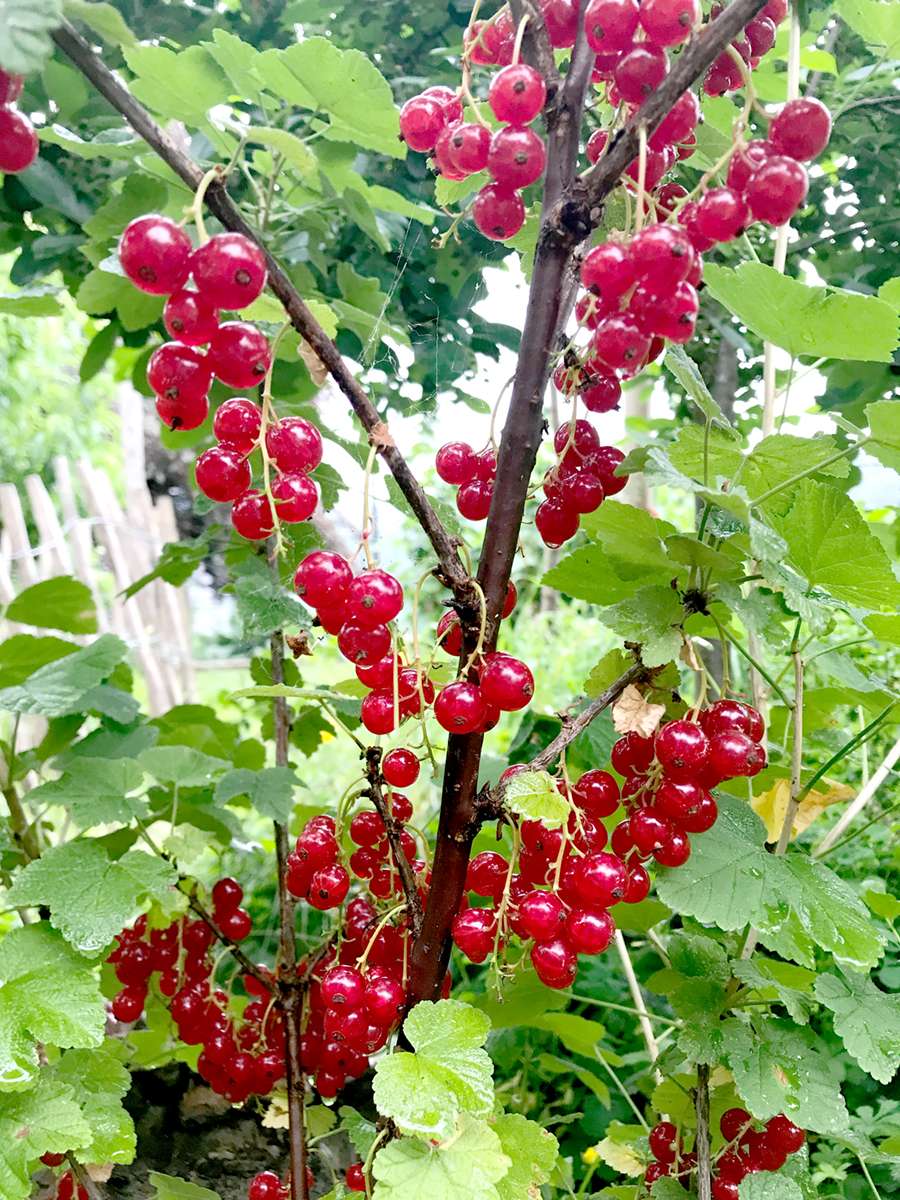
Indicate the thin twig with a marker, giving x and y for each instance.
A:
(864, 796)
(392, 829)
(572, 729)
(701, 1146)
(639, 1003)
(241, 958)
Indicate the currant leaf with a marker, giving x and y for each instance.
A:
(45, 1119)
(467, 1168)
(101, 1083)
(96, 791)
(866, 1019)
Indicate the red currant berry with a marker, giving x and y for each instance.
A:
(723, 76)
(602, 394)
(663, 1141)
(745, 160)
(400, 768)
(378, 712)
(252, 516)
(374, 598)
(555, 522)
(649, 830)
(473, 933)
(355, 1177)
(421, 120)
(721, 214)
(364, 643)
(640, 72)
(583, 438)
(449, 100)
(239, 354)
(342, 987)
(227, 895)
(506, 682)
(561, 19)
(481, 44)
(589, 931)
(328, 887)
(632, 754)
(607, 271)
(10, 90)
(669, 22)
(189, 319)
(517, 157)
(469, 147)
(223, 474)
(498, 212)
(681, 749)
(179, 375)
(236, 925)
(129, 1004)
(735, 754)
(266, 1186)
(802, 129)
(296, 498)
(449, 632)
(619, 342)
(474, 499)
(761, 34)
(460, 707)
(455, 463)
(542, 916)
(610, 24)
(323, 578)
(783, 1133)
(237, 423)
(583, 492)
(294, 445)
(487, 874)
(724, 1189)
(366, 829)
(229, 270)
(596, 144)
(597, 793)
(776, 190)
(734, 1122)
(662, 255)
(637, 885)
(555, 963)
(154, 254)
(600, 879)
(517, 94)
(676, 850)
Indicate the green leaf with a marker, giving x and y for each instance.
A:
(577, 1034)
(177, 563)
(448, 192)
(104, 19)
(361, 1132)
(631, 537)
(731, 881)
(263, 604)
(522, 1000)
(652, 616)
(102, 292)
(289, 146)
(270, 791)
(344, 84)
(534, 796)
(110, 144)
(875, 22)
(96, 791)
(784, 982)
(60, 603)
(61, 687)
(779, 1068)
(25, 28)
(866, 1019)
(766, 1185)
(831, 545)
(809, 321)
(532, 1151)
(167, 1187)
(45, 1120)
(48, 995)
(182, 765)
(40, 300)
(183, 85)
(884, 422)
(450, 1073)
(465, 1169)
(686, 372)
(91, 897)
(239, 60)
(101, 1083)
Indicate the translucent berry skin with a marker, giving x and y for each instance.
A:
(745, 160)
(775, 191)
(724, 1189)
(421, 120)
(735, 754)
(600, 879)
(733, 1122)
(400, 767)
(678, 124)
(761, 34)
(676, 850)
(449, 631)
(469, 146)
(597, 793)
(189, 319)
(239, 354)
(364, 644)
(10, 89)
(619, 342)
(252, 516)
(517, 157)
(328, 887)
(541, 916)
(555, 523)
(640, 72)
(374, 598)
(355, 1177)
(474, 499)
(802, 129)
(682, 749)
(182, 414)
(787, 1136)
(561, 19)
(607, 270)
(506, 682)
(589, 931)
(455, 463)
(154, 253)
(517, 94)
(128, 1005)
(294, 445)
(663, 1141)
(596, 144)
(296, 498)
(610, 24)
(555, 963)
(379, 712)
(662, 255)
(237, 423)
(649, 829)
(498, 212)
(603, 394)
(448, 99)
(669, 22)
(229, 270)
(473, 932)
(223, 474)
(322, 577)
(460, 707)
(721, 214)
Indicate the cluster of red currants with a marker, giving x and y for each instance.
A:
(581, 479)
(472, 472)
(748, 1150)
(669, 777)
(67, 1186)
(241, 1057)
(583, 882)
(18, 140)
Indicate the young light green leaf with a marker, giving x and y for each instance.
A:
(25, 28)
(40, 300)
(48, 994)
(448, 1074)
(652, 616)
(167, 1187)
(766, 1185)
(831, 545)
(91, 897)
(531, 1150)
(361, 1132)
(467, 1168)
(101, 1083)
(181, 765)
(291, 148)
(578, 1034)
(534, 796)
(874, 21)
(270, 791)
(779, 1068)
(809, 321)
(686, 372)
(183, 85)
(866, 1019)
(771, 979)
(96, 791)
(60, 687)
(60, 603)
(46, 1119)
(104, 19)
(884, 422)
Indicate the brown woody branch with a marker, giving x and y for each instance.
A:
(223, 207)
(392, 829)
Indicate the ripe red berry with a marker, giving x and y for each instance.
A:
(783, 1133)
(128, 1005)
(449, 632)
(561, 19)
(251, 516)
(589, 931)
(460, 707)
(449, 100)
(342, 987)
(663, 1140)
(229, 270)
(607, 270)
(640, 72)
(669, 22)
(223, 474)
(473, 933)
(802, 129)
(323, 577)
(469, 147)
(597, 793)
(379, 712)
(517, 94)
(10, 90)
(724, 1189)
(421, 120)
(675, 851)
(455, 463)
(237, 423)
(734, 1122)
(610, 24)
(619, 342)
(555, 962)
(236, 925)
(364, 643)
(498, 212)
(328, 887)
(487, 874)
(637, 885)
(400, 767)
(600, 879)
(294, 445)
(721, 214)
(227, 895)
(296, 498)
(374, 598)
(474, 499)
(662, 255)
(735, 754)
(18, 141)
(265, 1186)
(517, 157)
(596, 144)
(555, 522)
(179, 375)
(355, 1177)
(189, 319)
(239, 354)
(776, 190)
(746, 159)
(506, 682)
(602, 394)
(681, 748)
(154, 254)
(541, 916)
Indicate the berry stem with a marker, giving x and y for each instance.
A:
(367, 509)
(268, 417)
(196, 210)
(796, 746)
(520, 33)
(392, 830)
(641, 180)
